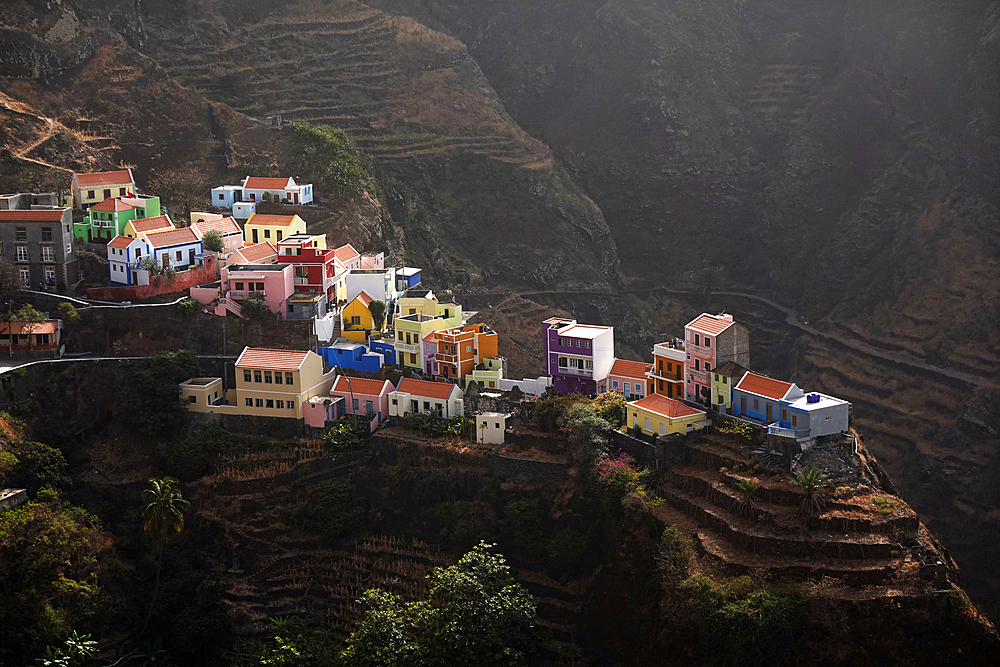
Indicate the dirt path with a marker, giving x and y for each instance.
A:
(792, 319)
(50, 131)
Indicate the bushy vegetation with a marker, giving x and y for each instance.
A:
(618, 476)
(255, 307)
(610, 406)
(212, 240)
(550, 412)
(196, 456)
(333, 508)
(436, 426)
(325, 156)
(153, 400)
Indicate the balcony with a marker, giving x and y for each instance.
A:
(581, 372)
(446, 358)
(655, 375)
(794, 433)
(407, 347)
(301, 281)
(701, 377)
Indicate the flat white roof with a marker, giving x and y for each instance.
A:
(583, 331)
(408, 271)
(492, 414)
(824, 402)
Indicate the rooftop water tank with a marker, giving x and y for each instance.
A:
(812, 398)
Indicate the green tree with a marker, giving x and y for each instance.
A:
(76, 650)
(325, 155)
(377, 309)
(39, 466)
(610, 406)
(255, 307)
(475, 614)
(28, 317)
(812, 481)
(212, 240)
(162, 512)
(153, 397)
(70, 316)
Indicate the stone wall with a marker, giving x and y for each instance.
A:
(546, 473)
(179, 282)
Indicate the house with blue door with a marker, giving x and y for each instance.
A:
(123, 253)
(788, 411)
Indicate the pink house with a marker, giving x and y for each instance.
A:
(232, 235)
(351, 396)
(260, 253)
(275, 281)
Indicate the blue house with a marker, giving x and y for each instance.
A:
(384, 347)
(764, 399)
(349, 354)
(406, 278)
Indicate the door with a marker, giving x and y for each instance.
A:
(191, 256)
(296, 197)
(743, 405)
(768, 413)
(255, 236)
(135, 278)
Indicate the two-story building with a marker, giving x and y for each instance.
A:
(40, 243)
(577, 356)
(667, 376)
(724, 379)
(272, 228)
(629, 378)
(175, 248)
(95, 187)
(109, 219)
(461, 349)
(424, 315)
(275, 282)
(442, 399)
(712, 340)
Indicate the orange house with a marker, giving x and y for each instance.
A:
(30, 335)
(459, 349)
(667, 375)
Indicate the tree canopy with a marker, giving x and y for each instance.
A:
(153, 397)
(325, 156)
(212, 240)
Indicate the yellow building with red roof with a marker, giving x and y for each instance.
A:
(272, 228)
(658, 415)
(95, 187)
(358, 323)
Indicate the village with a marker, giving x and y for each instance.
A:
(235, 262)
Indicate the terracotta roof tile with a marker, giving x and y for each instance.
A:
(101, 178)
(257, 252)
(120, 242)
(359, 386)
(171, 237)
(631, 369)
(363, 298)
(346, 252)
(52, 215)
(271, 220)
(151, 224)
(764, 386)
(440, 390)
(17, 328)
(222, 225)
(260, 183)
(666, 407)
(713, 325)
(279, 360)
(112, 205)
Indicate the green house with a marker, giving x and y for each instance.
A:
(107, 220)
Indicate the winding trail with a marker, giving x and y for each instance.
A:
(22, 154)
(792, 319)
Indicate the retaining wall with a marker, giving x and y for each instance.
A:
(181, 281)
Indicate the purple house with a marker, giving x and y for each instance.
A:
(577, 356)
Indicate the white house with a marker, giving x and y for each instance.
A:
(286, 189)
(123, 253)
(819, 414)
(232, 235)
(443, 399)
(178, 248)
(377, 283)
(491, 427)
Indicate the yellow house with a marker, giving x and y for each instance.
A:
(269, 383)
(724, 378)
(272, 228)
(158, 224)
(658, 415)
(358, 321)
(93, 188)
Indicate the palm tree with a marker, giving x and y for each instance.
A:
(748, 489)
(812, 481)
(163, 512)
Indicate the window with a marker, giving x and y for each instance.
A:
(369, 406)
(697, 364)
(716, 376)
(121, 192)
(708, 342)
(269, 403)
(628, 387)
(107, 193)
(413, 358)
(670, 367)
(395, 402)
(260, 402)
(267, 233)
(756, 404)
(249, 402)
(586, 344)
(288, 378)
(192, 399)
(277, 378)
(795, 421)
(784, 415)
(708, 367)
(288, 251)
(238, 287)
(267, 377)
(696, 339)
(22, 253)
(50, 275)
(48, 255)
(427, 405)
(279, 234)
(281, 404)
(246, 375)
(20, 233)
(90, 194)
(355, 319)
(722, 401)
(259, 287)
(290, 405)
(46, 233)
(614, 384)
(222, 197)
(648, 424)
(256, 377)
(562, 362)
(355, 402)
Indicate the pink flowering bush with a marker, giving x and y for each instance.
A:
(618, 476)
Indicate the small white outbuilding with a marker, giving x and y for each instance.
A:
(491, 427)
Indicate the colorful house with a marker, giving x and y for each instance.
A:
(724, 378)
(110, 218)
(273, 228)
(442, 399)
(316, 266)
(460, 349)
(348, 257)
(93, 188)
(406, 277)
(359, 397)
(237, 281)
(123, 255)
(269, 383)
(228, 229)
(667, 377)
(346, 354)
(628, 378)
(138, 226)
(358, 323)
(424, 314)
(787, 411)
(260, 253)
(712, 340)
(489, 373)
(40, 243)
(31, 336)
(659, 415)
(577, 356)
(285, 189)
(179, 248)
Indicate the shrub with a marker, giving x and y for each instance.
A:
(38, 466)
(327, 157)
(673, 555)
(334, 508)
(550, 413)
(255, 307)
(610, 406)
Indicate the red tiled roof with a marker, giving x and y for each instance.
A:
(257, 252)
(346, 252)
(762, 386)
(731, 369)
(222, 225)
(112, 205)
(151, 224)
(279, 360)
(101, 178)
(359, 386)
(120, 242)
(713, 325)
(271, 220)
(52, 215)
(363, 298)
(666, 407)
(424, 388)
(171, 237)
(631, 369)
(260, 183)
(18, 328)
